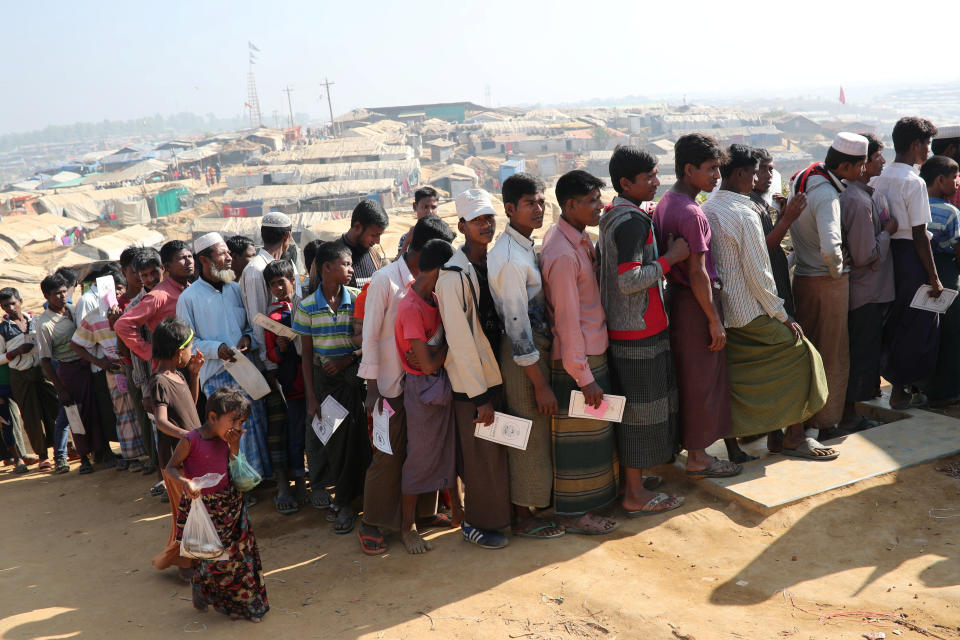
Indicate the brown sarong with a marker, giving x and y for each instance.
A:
(822, 303)
(482, 467)
(431, 439)
(381, 493)
(702, 381)
(531, 470)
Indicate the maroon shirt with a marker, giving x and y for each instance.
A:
(677, 215)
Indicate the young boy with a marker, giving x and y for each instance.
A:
(425, 202)
(472, 328)
(280, 278)
(382, 369)
(583, 450)
(430, 463)
(96, 342)
(517, 288)
(940, 175)
(324, 322)
(697, 336)
(911, 336)
(632, 273)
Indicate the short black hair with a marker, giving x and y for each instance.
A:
(69, 276)
(330, 251)
(309, 252)
(627, 162)
(128, 256)
(274, 235)
(238, 244)
(168, 337)
(763, 156)
(424, 192)
(278, 269)
(119, 280)
(147, 258)
(937, 166)
(909, 130)
(369, 213)
(228, 400)
(695, 149)
(874, 144)
(430, 227)
(738, 156)
(836, 158)
(576, 184)
(9, 292)
(171, 249)
(52, 283)
(940, 145)
(519, 185)
(435, 254)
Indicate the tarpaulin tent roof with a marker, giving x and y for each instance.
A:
(22, 230)
(128, 174)
(250, 227)
(326, 150)
(22, 272)
(298, 192)
(200, 153)
(110, 246)
(90, 204)
(307, 173)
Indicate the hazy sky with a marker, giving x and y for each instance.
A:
(85, 61)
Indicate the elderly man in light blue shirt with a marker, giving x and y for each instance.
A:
(213, 307)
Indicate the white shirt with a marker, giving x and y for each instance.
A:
(907, 193)
(257, 297)
(517, 289)
(381, 360)
(741, 258)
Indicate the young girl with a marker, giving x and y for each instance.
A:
(175, 413)
(234, 586)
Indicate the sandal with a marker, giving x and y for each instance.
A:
(372, 545)
(717, 469)
(660, 503)
(436, 521)
(286, 505)
(148, 468)
(20, 469)
(62, 467)
(806, 451)
(345, 521)
(136, 466)
(320, 499)
(85, 467)
(122, 465)
(535, 531)
(592, 525)
(45, 466)
(481, 538)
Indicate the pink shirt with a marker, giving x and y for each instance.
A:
(154, 307)
(207, 456)
(568, 264)
(416, 320)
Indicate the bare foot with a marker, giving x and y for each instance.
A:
(413, 542)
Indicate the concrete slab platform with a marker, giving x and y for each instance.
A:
(774, 481)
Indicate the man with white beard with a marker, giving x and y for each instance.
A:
(213, 307)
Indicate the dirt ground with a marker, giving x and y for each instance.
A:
(76, 554)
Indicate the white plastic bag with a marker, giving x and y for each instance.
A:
(200, 539)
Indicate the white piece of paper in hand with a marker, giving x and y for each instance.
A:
(106, 294)
(332, 415)
(278, 329)
(381, 428)
(923, 301)
(611, 408)
(506, 430)
(247, 376)
(73, 418)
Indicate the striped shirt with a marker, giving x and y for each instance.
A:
(740, 254)
(95, 335)
(944, 225)
(332, 331)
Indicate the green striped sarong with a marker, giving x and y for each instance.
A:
(584, 451)
(775, 380)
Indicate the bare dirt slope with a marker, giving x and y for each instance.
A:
(76, 550)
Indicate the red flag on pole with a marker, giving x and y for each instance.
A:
(843, 97)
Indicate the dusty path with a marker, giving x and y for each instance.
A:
(74, 562)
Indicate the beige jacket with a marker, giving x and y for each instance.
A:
(470, 363)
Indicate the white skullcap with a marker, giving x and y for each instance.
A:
(276, 219)
(206, 241)
(852, 144)
(949, 131)
(474, 203)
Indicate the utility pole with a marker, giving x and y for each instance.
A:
(326, 83)
(288, 91)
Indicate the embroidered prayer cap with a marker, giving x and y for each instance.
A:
(948, 131)
(474, 203)
(206, 241)
(852, 144)
(276, 219)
